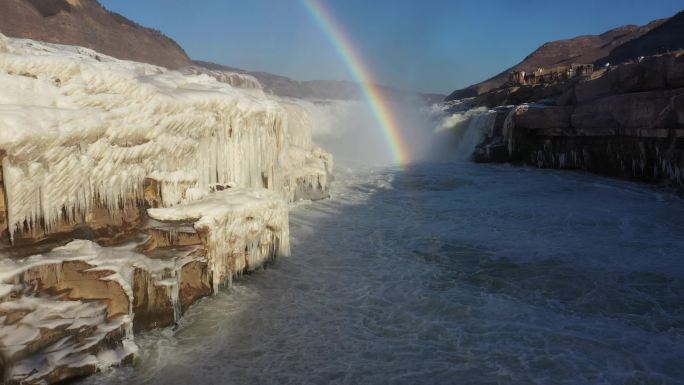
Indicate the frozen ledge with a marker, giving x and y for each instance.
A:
(240, 228)
(74, 311)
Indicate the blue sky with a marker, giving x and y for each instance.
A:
(423, 45)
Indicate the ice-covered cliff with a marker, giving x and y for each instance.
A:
(193, 170)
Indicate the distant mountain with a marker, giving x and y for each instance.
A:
(86, 23)
(668, 36)
(314, 89)
(582, 50)
(290, 88)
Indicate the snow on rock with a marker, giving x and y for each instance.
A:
(104, 295)
(80, 128)
(242, 228)
(3, 44)
(50, 340)
(117, 263)
(235, 79)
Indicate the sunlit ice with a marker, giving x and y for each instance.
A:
(341, 192)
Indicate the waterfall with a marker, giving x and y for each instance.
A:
(508, 126)
(467, 129)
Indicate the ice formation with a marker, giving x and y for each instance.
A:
(50, 338)
(80, 128)
(235, 79)
(214, 158)
(79, 336)
(241, 228)
(309, 167)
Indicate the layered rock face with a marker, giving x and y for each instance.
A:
(129, 192)
(627, 121)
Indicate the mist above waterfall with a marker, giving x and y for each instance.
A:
(348, 130)
(432, 133)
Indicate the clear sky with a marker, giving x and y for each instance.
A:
(423, 45)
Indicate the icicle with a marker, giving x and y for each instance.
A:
(243, 228)
(110, 124)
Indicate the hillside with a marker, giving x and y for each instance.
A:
(290, 88)
(86, 23)
(669, 36)
(581, 49)
(315, 89)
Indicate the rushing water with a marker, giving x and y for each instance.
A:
(449, 273)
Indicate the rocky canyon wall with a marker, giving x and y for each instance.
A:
(625, 121)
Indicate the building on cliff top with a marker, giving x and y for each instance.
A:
(549, 75)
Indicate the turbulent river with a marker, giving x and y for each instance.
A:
(449, 273)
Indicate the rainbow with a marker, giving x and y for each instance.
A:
(373, 93)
